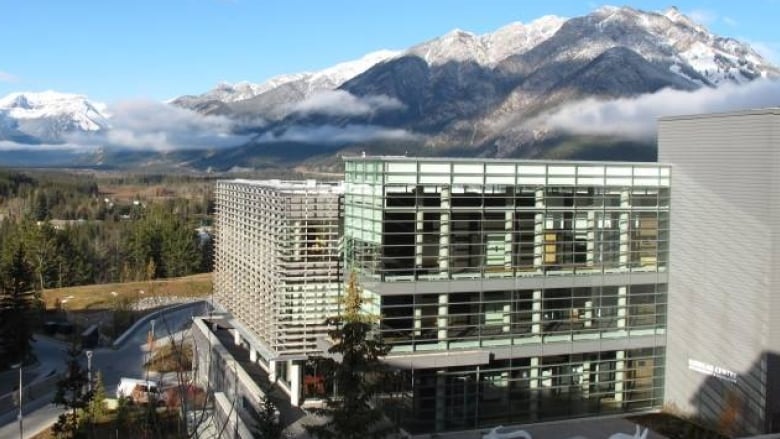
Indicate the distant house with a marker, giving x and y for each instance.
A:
(60, 224)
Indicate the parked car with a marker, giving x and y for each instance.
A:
(139, 391)
(502, 432)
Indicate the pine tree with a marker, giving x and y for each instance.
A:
(96, 408)
(267, 425)
(72, 394)
(358, 377)
(16, 306)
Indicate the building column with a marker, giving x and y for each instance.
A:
(236, 337)
(588, 314)
(533, 385)
(509, 226)
(417, 321)
(621, 310)
(297, 237)
(624, 228)
(536, 313)
(507, 320)
(252, 355)
(539, 231)
(585, 386)
(272, 371)
(444, 232)
(418, 239)
(620, 375)
(442, 321)
(441, 400)
(295, 378)
(591, 246)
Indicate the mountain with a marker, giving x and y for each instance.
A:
(462, 94)
(484, 94)
(273, 98)
(47, 117)
(488, 49)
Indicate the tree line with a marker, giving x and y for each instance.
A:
(109, 242)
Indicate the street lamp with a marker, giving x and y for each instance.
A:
(151, 337)
(65, 308)
(19, 416)
(89, 370)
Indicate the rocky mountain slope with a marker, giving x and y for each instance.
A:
(477, 93)
(461, 93)
(46, 117)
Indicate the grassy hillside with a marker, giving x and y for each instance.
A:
(94, 297)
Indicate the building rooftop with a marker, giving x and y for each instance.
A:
(398, 158)
(294, 186)
(751, 112)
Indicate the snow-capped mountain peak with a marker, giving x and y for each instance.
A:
(48, 115)
(490, 48)
(674, 15)
(304, 83)
(85, 115)
(336, 75)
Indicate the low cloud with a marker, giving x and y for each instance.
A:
(343, 103)
(8, 145)
(150, 125)
(637, 117)
(7, 77)
(329, 134)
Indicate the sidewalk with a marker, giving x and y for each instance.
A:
(38, 416)
(50, 354)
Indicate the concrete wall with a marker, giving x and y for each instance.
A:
(723, 263)
(218, 372)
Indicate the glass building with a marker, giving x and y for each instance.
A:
(513, 291)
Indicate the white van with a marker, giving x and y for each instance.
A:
(138, 391)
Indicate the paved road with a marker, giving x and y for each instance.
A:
(50, 354)
(38, 415)
(126, 361)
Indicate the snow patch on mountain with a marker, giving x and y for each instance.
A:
(74, 110)
(306, 82)
(34, 117)
(488, 49)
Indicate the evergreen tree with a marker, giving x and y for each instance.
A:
(180, 253)
(41, 209)
(72, 394)
(96, 408)
(267, 425)
(16, 305)
(357, 377)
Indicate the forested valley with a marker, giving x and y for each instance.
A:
(77, 228)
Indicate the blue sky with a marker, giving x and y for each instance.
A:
(158, 49)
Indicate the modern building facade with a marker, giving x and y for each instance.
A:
(278, 264)
(723, 333)
(514, 291)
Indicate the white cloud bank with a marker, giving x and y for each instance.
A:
(7, 145)
(150, 125)
(637, 117)
(329, 134)
(344, 103)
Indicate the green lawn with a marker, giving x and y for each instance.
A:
(96, 297)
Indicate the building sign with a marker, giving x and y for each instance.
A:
(709, 369)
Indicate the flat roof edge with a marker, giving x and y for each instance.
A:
(748, 112)
(500, 160)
